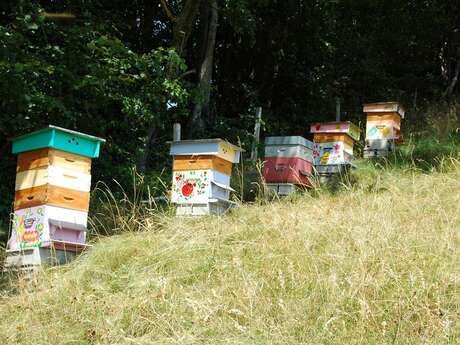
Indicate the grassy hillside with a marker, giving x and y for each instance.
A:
(378, 263)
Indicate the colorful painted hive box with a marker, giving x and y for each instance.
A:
(181, 163)
(207, 147)
(46, 157)
(55, 176)
(60, 139)
(198, 186)
(347, 143)
(384, 107)
(344, 127)
(289, 147)
(382, 127)
(331, 153)
(40, 226)
(287, 170)
(51, 195)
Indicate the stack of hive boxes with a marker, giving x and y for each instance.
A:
(201, 176)
(333, 146)
(288, 163)
(383, 128)
(52, 196)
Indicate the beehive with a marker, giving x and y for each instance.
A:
(383, 128)
(52, 191)
(334, 144)
(202, 172)
(288, 163)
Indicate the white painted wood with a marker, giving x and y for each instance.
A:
(55, 176)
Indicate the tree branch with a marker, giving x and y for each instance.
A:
(168, 11)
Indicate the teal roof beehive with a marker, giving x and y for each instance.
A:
(59, 139)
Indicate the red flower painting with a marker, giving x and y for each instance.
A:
(187, 189)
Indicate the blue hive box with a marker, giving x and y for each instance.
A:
(59, 139)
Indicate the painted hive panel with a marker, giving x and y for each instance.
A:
(381, 130)
(213, 147)
(337, 127)
(198, 186)
(223, 166)
(46, 157)
(38, 226)
(287, 170)
(54, 176)
(331, 153)
(289, 151)
(289, 140)
(61, 139)
(51, 195)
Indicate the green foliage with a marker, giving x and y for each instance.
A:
(80, 76)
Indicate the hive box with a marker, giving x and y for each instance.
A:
(42, 225)
(282, 188)
(287, 170)
(344, 127)
(182, 163)
(55, 176)
(31, 258)
(288, 147)
(346, 141)
(213, 206)
(53, 196)
(331, 153)
(198, 186)
(207, 147)
(60, 139)
(378, 148)
(46, 157)
(384, 107)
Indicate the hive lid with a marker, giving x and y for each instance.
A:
(288, 140)
(58, 138)
(384, 107)
(346, 127)
(214, 147)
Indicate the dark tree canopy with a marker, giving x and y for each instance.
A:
(127, 70)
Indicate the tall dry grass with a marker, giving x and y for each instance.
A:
(378, 263)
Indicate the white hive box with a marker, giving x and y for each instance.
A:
(198, 186)
(55, 176)
(212, 207)
(41, 226)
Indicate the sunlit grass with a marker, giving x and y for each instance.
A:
(377, 263)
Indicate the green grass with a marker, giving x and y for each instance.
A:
(377, 263)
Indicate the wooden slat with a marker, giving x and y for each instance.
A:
(44, 157)
(182, 163)
(33, 160)
(51, 195)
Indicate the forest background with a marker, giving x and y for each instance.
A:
(127, 70)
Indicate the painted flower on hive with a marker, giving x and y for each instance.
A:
(187, 189)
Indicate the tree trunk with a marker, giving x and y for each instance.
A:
(183, 25)
(182, 28)
(146, 34)
(201, 108)
(453, 82)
